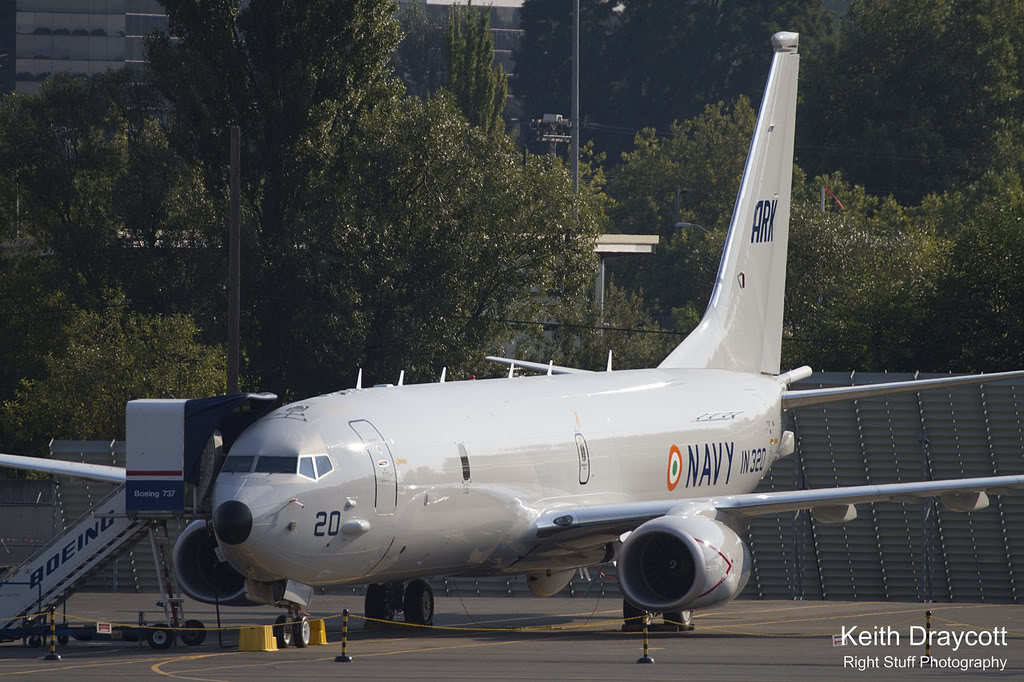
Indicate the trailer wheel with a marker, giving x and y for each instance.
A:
(63, 640)
(160, 637)
(193, 637)
(35, 641)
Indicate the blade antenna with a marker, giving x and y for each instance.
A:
(401, 377)
(609, 360)
(551, 367)
(359, 379)
(511, 369)
(444, 371)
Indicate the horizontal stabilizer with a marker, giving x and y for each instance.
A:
(538, 366)
(96, 472)
(816, 396)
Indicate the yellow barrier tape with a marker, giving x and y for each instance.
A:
(973, 627)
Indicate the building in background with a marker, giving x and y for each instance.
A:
(85, 37)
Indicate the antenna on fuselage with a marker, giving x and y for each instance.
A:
(551, 367)
(401, 377)
(444, 371)
(511, 369)
(359, 379)
(609, 360)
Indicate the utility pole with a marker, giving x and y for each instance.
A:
(575, 123)
(234, 262)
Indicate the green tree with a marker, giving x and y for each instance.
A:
(480, 88)
(645, 64)
(920, 97)
(419, 59)
(105, 359)
(295, 76)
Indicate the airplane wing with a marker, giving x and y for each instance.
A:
(816, 396)
(538, 366)
(96, 472)
(616, 519)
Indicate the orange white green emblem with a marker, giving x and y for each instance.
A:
(675, 467)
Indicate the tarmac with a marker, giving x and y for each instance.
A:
(555, 639)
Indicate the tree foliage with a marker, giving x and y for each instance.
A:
(105, 359)
(480, 89)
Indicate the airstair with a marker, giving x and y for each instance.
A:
(52, 574)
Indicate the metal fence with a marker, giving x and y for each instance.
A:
(28, 519)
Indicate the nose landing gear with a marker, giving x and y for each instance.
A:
(415, 601)
(292, 629)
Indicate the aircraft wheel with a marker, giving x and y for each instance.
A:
(419, 603)
(301, 632)
(283, 633)
(378, 603)
(633, 618)
(160, 637)
(193, 637)
(682, 619)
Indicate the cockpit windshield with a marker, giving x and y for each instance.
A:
(275, 464)
(238, 464)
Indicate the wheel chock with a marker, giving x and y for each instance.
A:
(257, 638)
(317, 632)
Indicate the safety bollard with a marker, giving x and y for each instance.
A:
(344, 658)
(53, 655)
(928, 633)
(646, 658)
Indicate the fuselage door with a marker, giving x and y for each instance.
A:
(383, 463)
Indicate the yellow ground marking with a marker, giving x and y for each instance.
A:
(61, 667)
(157, 667)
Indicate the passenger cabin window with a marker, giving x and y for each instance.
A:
(238, 464)
(306, 467)
(275, 464)
(323, 465)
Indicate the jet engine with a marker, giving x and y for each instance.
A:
(202, 575)
(676, 563)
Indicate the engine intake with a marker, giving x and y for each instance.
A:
(201, 574)
(676, 563)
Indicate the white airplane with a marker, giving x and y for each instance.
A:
(543, 475)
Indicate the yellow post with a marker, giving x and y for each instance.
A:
(646, 658)
(53, 655)
(344, 658)
(928, 633)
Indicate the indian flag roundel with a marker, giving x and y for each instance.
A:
(675, 467)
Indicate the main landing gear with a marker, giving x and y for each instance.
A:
(633, 619)
(415, 601)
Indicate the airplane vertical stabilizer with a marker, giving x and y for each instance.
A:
(742, 326)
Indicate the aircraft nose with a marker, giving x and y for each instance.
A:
(232, 521)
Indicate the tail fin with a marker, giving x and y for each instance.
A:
(742, 326)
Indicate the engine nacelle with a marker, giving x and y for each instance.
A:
(678, 563)
(201, 574)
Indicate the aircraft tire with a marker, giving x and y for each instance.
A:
(632, 617)
(377, 604)
(302, 632)
(283, 633)
(684, 618)
(419, 603)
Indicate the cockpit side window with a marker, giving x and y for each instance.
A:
(306, 467)
(323, 465)
(275, 464)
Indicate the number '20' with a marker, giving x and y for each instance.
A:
(332, 523)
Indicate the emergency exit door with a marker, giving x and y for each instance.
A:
(386, 497)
